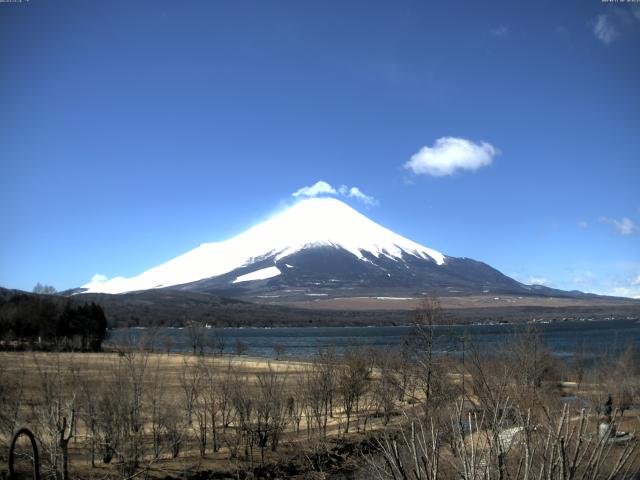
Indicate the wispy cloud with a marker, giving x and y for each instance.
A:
(628, 286)
(584, 278)
(355, 192)
(583, 224)
(624, 226)
(604, 30)
(323, 188)
(624, 292)
(449, 155)
(532, 279)
(620, 281)
(501, 31)
(538, 281)
(318, 188)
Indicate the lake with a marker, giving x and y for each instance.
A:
(596, 338)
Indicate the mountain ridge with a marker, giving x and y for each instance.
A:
(312, 223)
(321, 247)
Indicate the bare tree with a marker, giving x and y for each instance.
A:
(245, 412)
(216, 341)
(168, 344)
(279, 350)
(157, 408)
(385, 388)
(122, 417)
(352, 381)
(210, 398)
(270, 410)
(426, 317)
(12, 381)
(204, 403)
(196, 335)
(225, 394)
(56, 415)
(564, 449)
(173, 423)
(320, 388)
(623, 379)
(190, 377)
(87, 406)
(531, 364)
(44, 289)
(240, 347)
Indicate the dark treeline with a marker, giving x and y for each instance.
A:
(44, 322)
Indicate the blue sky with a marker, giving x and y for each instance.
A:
(508, 132)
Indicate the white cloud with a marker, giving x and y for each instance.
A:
(501, 31)
(318, 188)
(355, 192)
(98, 278)
(583, 224)
(604, 30)
(624, 226)
(450, 154)
(584, 278)
(532, 280)
(539, 281)
(323, 188)
(616, 282)
(624, 292)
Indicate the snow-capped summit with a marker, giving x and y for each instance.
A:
(268, 249)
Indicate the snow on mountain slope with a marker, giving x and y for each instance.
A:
(310, 223)
(261, 274)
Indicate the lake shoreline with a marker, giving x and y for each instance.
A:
(563, 338)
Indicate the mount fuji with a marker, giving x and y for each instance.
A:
(320, 247)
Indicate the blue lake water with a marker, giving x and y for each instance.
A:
(594, 338)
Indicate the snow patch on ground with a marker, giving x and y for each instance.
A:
(394, 298)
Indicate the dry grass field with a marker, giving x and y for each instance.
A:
(80, 381)
(133, 414)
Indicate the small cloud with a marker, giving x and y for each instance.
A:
(624, 226)
(583, 224)
(584, 278)
(619, 283)
(98, 278)
(355, 192)
(624, 292)
(323, 188)
(604, 30)
(318, 188)
(450, 154)
(539, 281)
(532, 280)
(502, 31)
